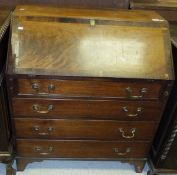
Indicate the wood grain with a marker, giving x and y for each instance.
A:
(70, 108)
(84, 129)
(76, 48)
(81, 149)
(35, 11)
(79, 88)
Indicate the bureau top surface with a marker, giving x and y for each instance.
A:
(90, 43)
(154, 4)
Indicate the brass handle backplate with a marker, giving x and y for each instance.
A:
(133, 130)
(129, 92)
(37, 109)
(119, 153)
(36, 87)
(138, 112)
(37, 129)
(39, 150)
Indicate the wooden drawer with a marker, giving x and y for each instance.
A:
(84, 129)
(75, 88)
(81, 149)
(83, 108)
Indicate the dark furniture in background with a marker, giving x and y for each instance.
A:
(163, 156)
(6, 153)
(166, 8)
(91, 94)
(104, 4)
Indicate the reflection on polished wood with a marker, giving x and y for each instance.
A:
(74, 47)
(118, 15)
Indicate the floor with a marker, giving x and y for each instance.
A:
(77, 168)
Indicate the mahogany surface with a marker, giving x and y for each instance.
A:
(84, 129)
(80, 73)
(81, 149)
(87, 88)
(83, 108)
(102, 50)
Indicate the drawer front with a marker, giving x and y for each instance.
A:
(107, 109)
(81, 149)
(84, 129)
(75, 88)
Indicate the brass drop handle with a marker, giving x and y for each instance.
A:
(129, 92)
(37, 109)
(133, 130)
(117, 151)
(138, 112)
(37, 129)
(39, 149)
(51, 87)
(36, 87)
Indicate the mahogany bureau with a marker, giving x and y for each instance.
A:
(6, 148)
(87, 84)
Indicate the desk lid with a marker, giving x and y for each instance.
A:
(90, 43)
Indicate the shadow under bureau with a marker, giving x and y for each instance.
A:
(87, 84)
